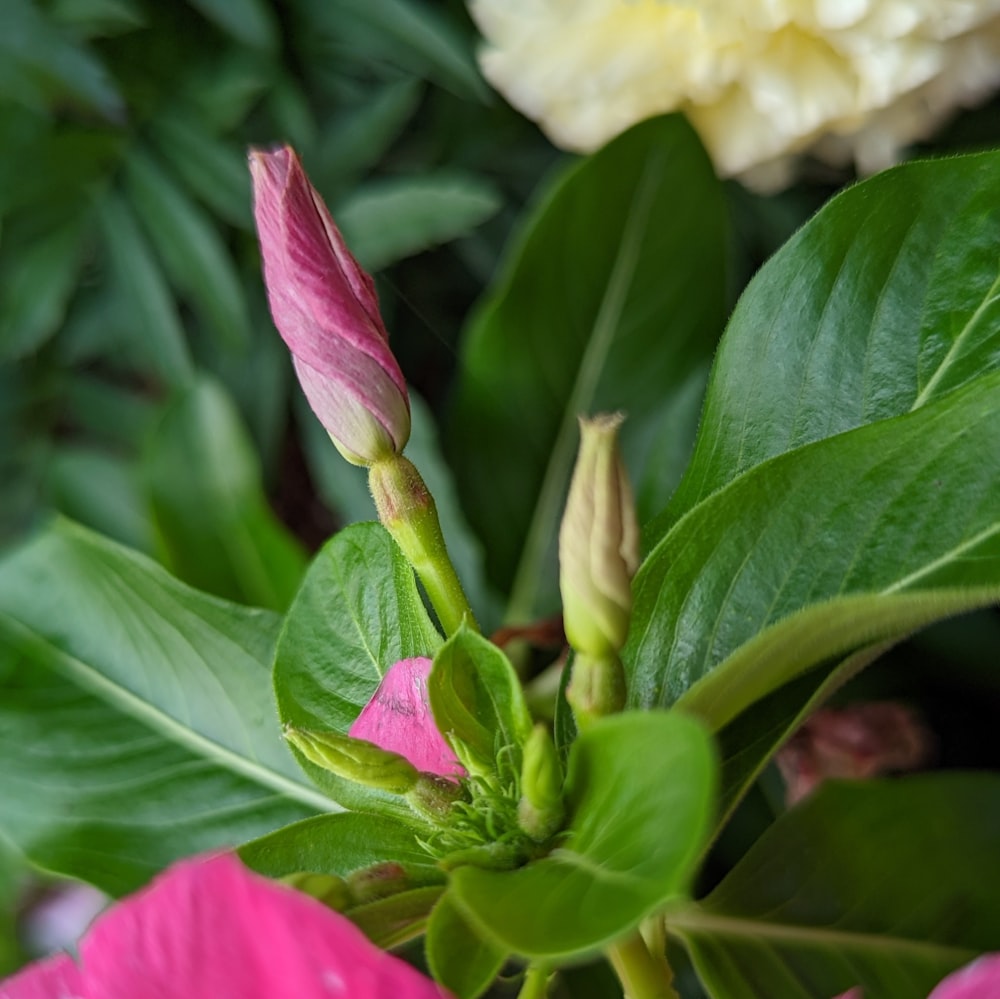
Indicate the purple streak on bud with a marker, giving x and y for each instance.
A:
(398, 718)
(326, 310)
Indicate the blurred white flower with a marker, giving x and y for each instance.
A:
(761, 80)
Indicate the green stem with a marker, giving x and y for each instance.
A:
(408, 512)
(536, 982)
(642, 975)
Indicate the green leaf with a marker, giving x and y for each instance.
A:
(38, 64)
(251, 22)
(477, 700)
(387, 220)
(819, 552)
(38, 281)
(211, 169)
(336, 844)
(610, 297)
(149, 302)
(460, 957)
(101, 491)
(635, 833)
(416, 36)
(214, 527)
(356, 140)
(94, 790)
(389, 922)
(357, 614)
(886, 885)
(190, 668)
(190, 247)
(888, 299)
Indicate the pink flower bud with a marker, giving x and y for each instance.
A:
(398, 718)
(325, 308)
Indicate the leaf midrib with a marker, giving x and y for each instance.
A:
(695, 920)
(606, 322)
(133, 706)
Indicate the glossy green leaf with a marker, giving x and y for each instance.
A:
(819, 552)
(887, 300)
(96, 790)
(192, 668)
(251, 22)
(640, 792)
(357, 614)
(458, 955)
(884, 885)
(387, 220)
(609, 298)
(190, 247)
(337, 844)
(214, 527)
(477, 699)
(148, 300)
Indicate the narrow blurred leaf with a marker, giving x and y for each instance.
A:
(608, 299)
(356, 140)
(212, 170)
(102, 492)
(883, 885)
(251, 22)
(119, 415)
(98, 18)
(38, 64)
(189, 245)
(38, 278)
(159, 335)
(413, 35)
(215, 529)
(387, 220)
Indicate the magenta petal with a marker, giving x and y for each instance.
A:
(399, 718)
(979, 980)
(209, 929)
(54, 978)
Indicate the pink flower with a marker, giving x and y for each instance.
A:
(209, 929)
(979, 980)
(325, 308)
(399, 718)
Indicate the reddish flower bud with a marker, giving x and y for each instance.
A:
(325, 308)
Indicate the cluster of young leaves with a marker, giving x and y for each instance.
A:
(851, 411)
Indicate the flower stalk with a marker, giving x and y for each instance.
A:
(643, 976)
(408, 512)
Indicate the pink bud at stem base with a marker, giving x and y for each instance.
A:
(408, 512)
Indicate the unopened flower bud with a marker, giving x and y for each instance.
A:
(329, 889)
(598, 544)
(325, 308)
(540, 811)
(378, 881)
(355, 759)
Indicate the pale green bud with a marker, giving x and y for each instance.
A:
(355, 759)
(598, 543)
(540, 811)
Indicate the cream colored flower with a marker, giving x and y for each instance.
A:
(761, 80)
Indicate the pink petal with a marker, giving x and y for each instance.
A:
(325, 308)
(399, 718)
(209, 929)
(54, 978)
(979, 980)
